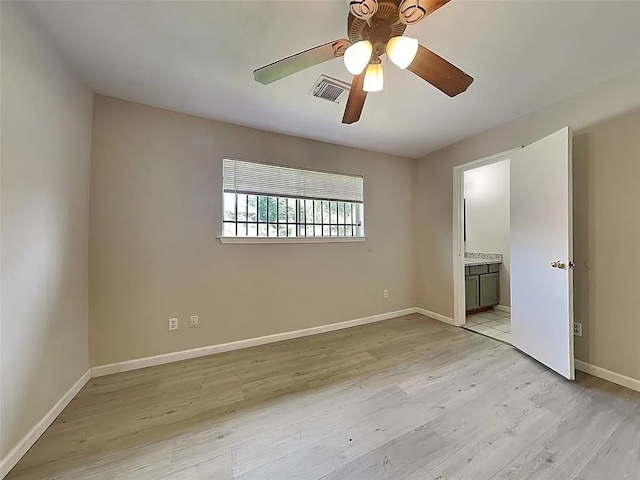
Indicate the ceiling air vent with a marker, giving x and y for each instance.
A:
(330, 89)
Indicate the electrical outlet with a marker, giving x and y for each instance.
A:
(385, 294)
(173, 324)
(577, 329)
(193, 321)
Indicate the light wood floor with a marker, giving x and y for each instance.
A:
(409, 398)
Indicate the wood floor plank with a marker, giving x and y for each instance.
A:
(395, 459)
(619, 456)
(408, 398)
(566, 447)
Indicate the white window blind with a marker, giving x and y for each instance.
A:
(260, 179)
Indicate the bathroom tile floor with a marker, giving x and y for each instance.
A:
(492, 323)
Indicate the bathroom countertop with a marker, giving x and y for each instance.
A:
(476, 258)
(474, 261)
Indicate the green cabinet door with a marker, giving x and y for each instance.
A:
(489, 289)
(472, 291)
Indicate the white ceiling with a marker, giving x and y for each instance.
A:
(198, 58)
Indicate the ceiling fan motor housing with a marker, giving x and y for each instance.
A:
(378, 29)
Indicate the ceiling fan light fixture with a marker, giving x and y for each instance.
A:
(373, 78)
(357, 56)
(402, 50)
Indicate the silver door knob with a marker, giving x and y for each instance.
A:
(559, 264)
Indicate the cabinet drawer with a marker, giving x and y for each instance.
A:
(478, 269)
(494, 267)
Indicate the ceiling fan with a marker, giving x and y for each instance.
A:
(375, 28)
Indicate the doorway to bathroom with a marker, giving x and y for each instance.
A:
(513, 249)
(487, 250)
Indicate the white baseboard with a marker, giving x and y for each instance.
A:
(502, 308)
(125, 366)
(605, 374)
(17, 452)
(435, 316)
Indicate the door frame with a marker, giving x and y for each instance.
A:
(459, 310)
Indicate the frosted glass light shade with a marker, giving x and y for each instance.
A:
(373, 79)
(402, 50)
(357, 56)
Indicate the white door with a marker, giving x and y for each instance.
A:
(542, 252)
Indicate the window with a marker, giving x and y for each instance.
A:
(271, 201)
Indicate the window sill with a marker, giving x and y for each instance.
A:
(242, 240)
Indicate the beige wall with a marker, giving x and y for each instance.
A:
(486, 193)
(46, 147)
(155, 214)
(607, 229)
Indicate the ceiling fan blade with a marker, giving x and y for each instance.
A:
(356, 99)
(439, 73)
(290, 65)
(432, 5)
(412, 11)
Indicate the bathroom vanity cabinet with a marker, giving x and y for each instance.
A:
(482, 286)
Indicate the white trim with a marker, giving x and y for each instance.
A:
(489, 159)
(617, 378)
(459, 310)
(17, 452)
(502, 308)
(435, 316)
(246, 240)
(125, 366)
